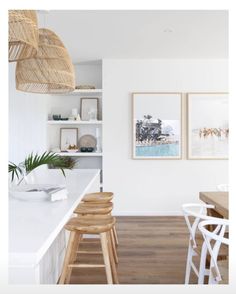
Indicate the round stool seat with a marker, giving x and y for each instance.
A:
(101, 197)
(94, 208)
(88, 225)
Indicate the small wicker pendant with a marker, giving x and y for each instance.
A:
(50, 71)
(23, 34)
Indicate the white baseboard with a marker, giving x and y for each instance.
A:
(147, 213)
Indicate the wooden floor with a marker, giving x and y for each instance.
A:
(152, 250)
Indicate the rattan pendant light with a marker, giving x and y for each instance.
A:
(23, 34)
(50, 71)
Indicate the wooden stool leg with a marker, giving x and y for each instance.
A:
(77, 240)
(113, 245)
(67, 257)
(105, 251)
(113, 266)
(115, 235)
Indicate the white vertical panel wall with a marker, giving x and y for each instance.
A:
(154, 187)
(27, 121)
(28, 113)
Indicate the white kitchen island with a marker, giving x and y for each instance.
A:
(36, 236)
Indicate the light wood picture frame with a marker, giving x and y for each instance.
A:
(207, 125)
(68, 136)
(157, 125)
(89, 108)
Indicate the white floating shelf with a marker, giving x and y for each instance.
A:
(82, 92)
(73, 122)
(78, 91)
(80, 154)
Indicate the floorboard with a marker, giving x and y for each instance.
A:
(152, 250)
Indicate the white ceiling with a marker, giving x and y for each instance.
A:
(93, 35)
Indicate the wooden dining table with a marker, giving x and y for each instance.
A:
(220, 200)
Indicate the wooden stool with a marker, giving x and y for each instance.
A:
(98, 197)
(95, 210)
(101, 197)
(87, 225)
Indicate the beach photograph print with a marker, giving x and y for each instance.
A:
(157, 125)
(208, 127)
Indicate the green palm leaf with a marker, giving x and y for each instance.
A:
(32, 161)
(15, 170)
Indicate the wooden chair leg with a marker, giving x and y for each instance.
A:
(105, 251)
(113, 246)
(67, 257)
(112, 261)
(114, 232)
(77, 240)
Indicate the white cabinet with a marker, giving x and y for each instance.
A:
(37, 239)
(51, 264)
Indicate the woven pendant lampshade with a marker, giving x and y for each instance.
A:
(50, 71)
(23, 34)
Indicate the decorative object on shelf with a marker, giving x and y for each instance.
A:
(78, 117)
(87, 141)
(98, 146)
(50, 71)
(89, 108)
(56, 117)
(72, 148)
(23, 34)
(86, 149)
(22, 171)
(68, 137)
(208, 126)
(85, 87)
(157, 125)
(74, 113)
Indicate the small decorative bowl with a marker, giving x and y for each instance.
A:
(86, 149)
(72, 150)
(83, 149)
(56, 116)
(90, 149)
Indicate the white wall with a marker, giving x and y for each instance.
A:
(27, 117)
(89, 73)
(150, 187)
(28, 113)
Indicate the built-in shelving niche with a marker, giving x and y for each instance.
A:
(87, 73)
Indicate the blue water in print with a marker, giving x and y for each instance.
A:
(158, 150)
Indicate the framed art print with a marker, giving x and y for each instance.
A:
(68, 138)
(157, 125)
(89, 109)
(208, 127)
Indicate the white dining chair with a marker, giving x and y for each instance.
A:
(193, 214)
(213, 240)
(223, 187)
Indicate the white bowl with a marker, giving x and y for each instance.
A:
(72, 150)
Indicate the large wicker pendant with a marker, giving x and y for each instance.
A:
(23, 34)
(50, 71)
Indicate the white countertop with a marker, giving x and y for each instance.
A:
(33, 226)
